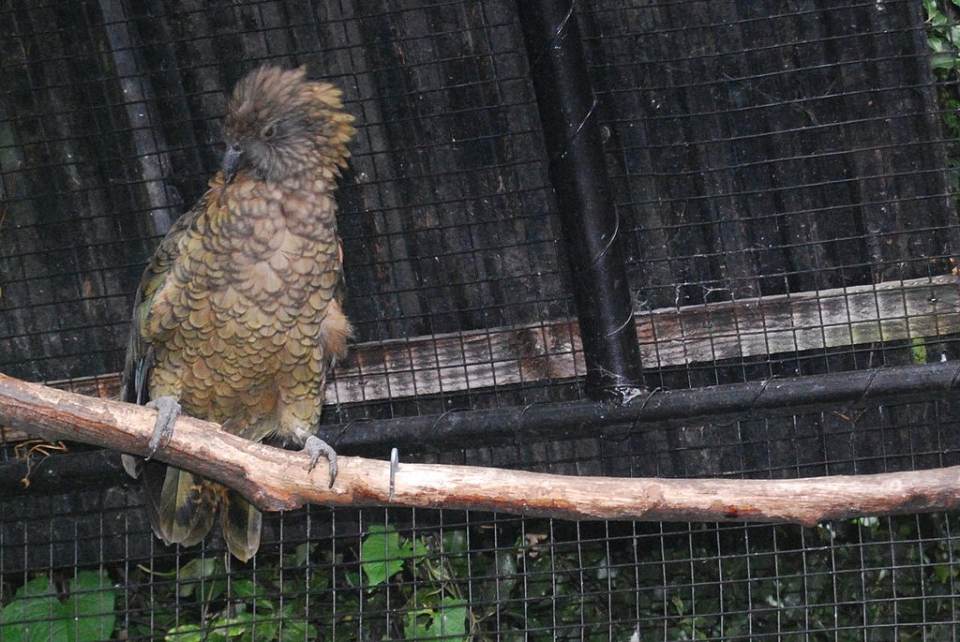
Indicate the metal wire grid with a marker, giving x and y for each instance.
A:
(444, 212)
(468, 219)
(754, 151)
(756, 94)
(417, 94)
(371, 574)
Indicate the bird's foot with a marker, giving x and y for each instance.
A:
(168, 409)
(314, 446)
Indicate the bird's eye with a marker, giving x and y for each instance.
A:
(269, 131)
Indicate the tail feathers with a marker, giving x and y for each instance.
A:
(240, 523)
(181, 505)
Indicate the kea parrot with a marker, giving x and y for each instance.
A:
(238, 318)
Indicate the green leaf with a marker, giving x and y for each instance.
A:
(91, 606)
(455, 541)
(918, 352)
(382, 555)
(944, 573)
(453, 618)
(38, 614)
(12, 625)
(196, 570)
(245, 589)
(448, 621)
(300, 556)
(227, 628)
(294, 630)
(199, 568)
(185, 633)
(37, 587)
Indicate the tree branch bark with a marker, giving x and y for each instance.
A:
(276, 479)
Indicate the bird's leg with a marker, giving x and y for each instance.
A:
(168, 409)
(314, 446)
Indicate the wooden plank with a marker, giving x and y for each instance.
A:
(449, 363)
(897, 310)
(891, 311)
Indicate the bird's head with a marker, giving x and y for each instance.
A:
(280, 125)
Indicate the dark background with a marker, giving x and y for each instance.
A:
(751, 150)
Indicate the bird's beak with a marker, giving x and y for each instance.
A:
(231, 161)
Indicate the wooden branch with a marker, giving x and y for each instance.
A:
(276, 479)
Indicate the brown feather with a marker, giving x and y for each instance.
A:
(238, 315)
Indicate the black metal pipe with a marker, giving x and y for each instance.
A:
(588, 216)
(647, 411)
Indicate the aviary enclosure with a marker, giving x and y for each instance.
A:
(552, 209)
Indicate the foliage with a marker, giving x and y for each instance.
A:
(943, 40)
(204, 600)
(943, 36)
(40, 611)
(519, 580)
(561, 581)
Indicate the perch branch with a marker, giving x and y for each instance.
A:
(276, 479)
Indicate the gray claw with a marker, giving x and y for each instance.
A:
(314, 446)
(168, 409)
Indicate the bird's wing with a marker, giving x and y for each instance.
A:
(137, 364)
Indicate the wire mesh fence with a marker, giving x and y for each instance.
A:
(389, 573)
(783, 184)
